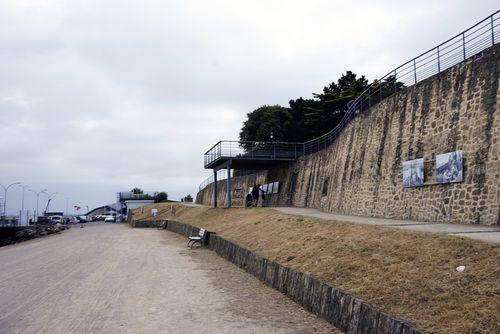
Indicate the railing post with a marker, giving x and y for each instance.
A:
(463, 43)
(229, 186)
(369, 96)
(215, 189)
(395, 80)
(415, 69)
(439, 62)
(380, 91)
(492, 32)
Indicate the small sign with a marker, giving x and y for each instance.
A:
(154, 212)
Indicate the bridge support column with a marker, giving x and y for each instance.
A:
(215, 189)
(229, 189)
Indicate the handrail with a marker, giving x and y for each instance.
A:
(357, 104)
(471, 41)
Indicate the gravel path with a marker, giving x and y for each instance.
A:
(115, 279)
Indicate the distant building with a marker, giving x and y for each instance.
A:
(187, 199)
(107, 209)
(133, 201)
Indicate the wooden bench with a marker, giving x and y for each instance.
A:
(199, 238)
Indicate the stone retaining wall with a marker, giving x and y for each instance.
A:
(345, 312)
(360, 173)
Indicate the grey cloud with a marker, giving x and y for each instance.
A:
(100, 96)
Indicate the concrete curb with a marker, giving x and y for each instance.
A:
(345, 312)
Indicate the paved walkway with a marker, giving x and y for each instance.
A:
(477, 232)
(110, 278)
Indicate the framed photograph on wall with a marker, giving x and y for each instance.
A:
(449, 168)
(276, 186)
(413, 173)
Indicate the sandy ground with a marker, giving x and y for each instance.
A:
(409, 275)
(115, 279)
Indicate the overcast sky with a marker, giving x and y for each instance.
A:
(101, 96)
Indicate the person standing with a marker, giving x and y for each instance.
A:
(255, 195)
(262, 196)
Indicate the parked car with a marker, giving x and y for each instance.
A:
(82, 219)
(109, 219)
(56, 219)
(73, 220)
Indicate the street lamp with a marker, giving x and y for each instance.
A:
(5, 195)
(44, 191)
(22, 203)
(49, 198)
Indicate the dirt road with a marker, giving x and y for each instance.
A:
(115, 279)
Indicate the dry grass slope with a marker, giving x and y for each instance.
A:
(407, 274)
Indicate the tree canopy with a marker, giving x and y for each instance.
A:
(161, 197)
(306, 119)
(267, 123)
(137, 191)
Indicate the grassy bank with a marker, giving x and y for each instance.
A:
(407, 274)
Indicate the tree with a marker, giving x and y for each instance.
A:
(137, 191)
(306, 119)
(161, 197)
(267, 123)
(298, 109)
(333, 103)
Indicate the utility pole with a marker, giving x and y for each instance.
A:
(5, 195)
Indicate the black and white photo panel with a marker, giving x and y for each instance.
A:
(449, 167)
(413, 173)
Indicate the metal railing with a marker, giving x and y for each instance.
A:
(222, 175)
(128, 195)
(470, 42)
(253, 150)
(466, 44)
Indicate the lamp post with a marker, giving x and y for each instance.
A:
(44, 191)
(5, 195)
(22, 203)
(49, 198)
